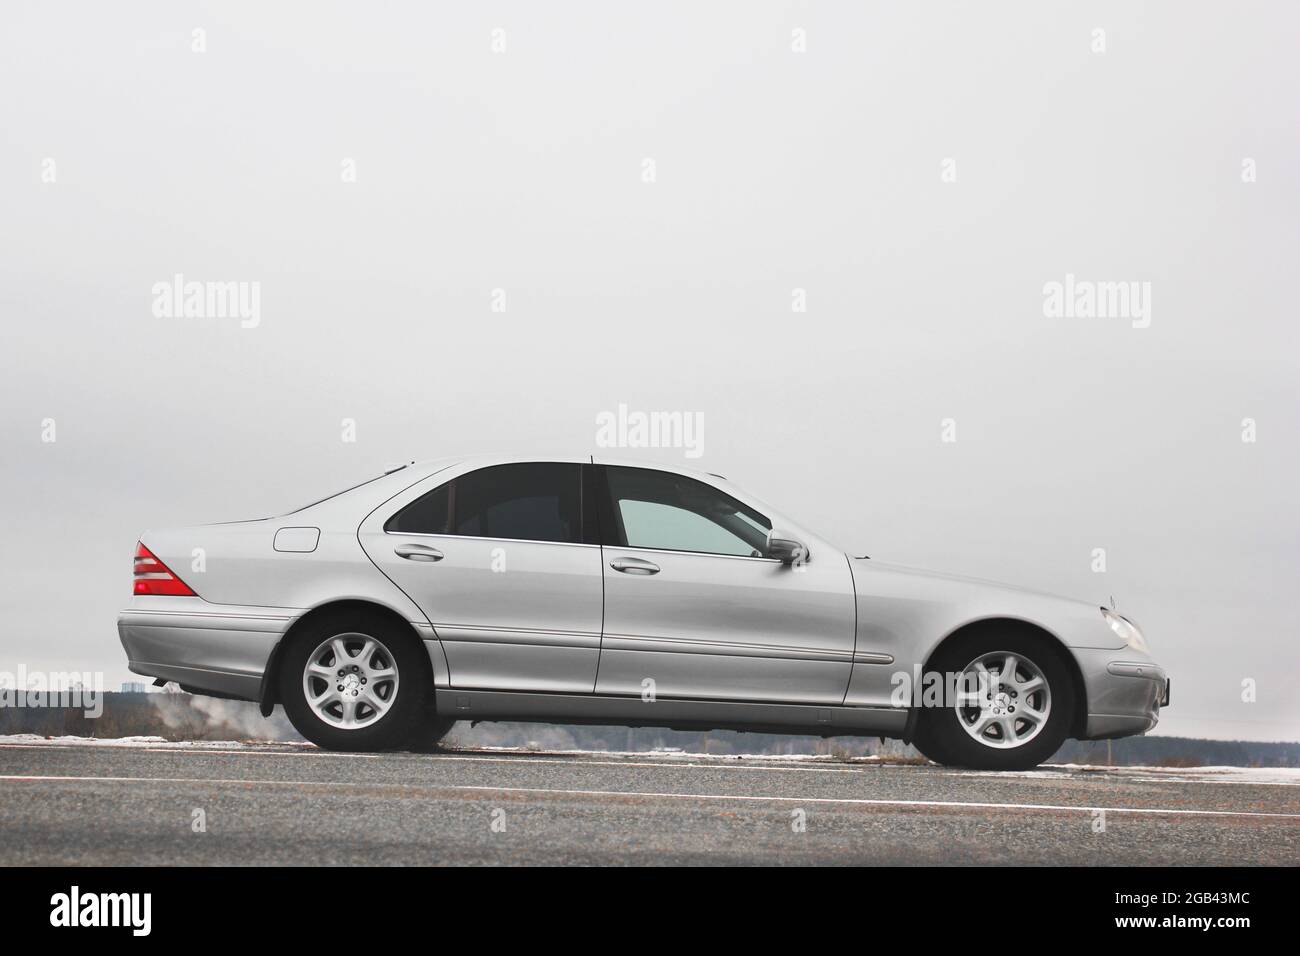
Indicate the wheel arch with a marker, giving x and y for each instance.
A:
(270, 695)
(1001, 625)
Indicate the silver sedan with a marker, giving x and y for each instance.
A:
(577, 591)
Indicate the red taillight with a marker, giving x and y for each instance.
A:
(154, 577)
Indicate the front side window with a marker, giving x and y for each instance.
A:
(533, 501)
(667, 512)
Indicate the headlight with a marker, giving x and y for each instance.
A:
(1127, 631)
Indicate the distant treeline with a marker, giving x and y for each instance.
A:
(186, 717)
(170, 716)
(1181, 752)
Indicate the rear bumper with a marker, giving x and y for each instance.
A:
(207, 647)
(1124, 690)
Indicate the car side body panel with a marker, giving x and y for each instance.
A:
(719, 627)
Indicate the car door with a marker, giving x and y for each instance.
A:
(694, 609)
(499, 560)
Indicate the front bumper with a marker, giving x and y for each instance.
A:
(219, 648)
(1125, 690)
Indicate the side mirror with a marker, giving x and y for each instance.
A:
(786, 548)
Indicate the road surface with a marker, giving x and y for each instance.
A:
(97, 804)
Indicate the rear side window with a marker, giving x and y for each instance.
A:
(533, 501)
(429, 514)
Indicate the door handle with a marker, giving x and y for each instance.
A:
(418, 552)
(634, 566)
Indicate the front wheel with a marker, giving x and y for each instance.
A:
(354, 682)
(1009, 707)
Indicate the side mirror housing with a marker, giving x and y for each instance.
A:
(786, 548)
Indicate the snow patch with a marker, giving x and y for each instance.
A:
(672, 755)
(1274, 776)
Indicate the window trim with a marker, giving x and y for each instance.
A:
(702, 554)
(479, 537)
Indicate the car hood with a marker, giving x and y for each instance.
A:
(979, 582)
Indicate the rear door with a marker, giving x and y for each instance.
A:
(504, 565)
(695, 609)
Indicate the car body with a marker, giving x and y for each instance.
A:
(582, 591)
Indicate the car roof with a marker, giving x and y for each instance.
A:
(484, 460)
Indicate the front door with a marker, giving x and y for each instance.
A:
(694, 608)
(500, 562)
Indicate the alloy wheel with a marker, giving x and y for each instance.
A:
(350, 680)
(1003, 700)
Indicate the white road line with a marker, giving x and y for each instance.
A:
(723, 797)
(668, 763)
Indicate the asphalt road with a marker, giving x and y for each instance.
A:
(97, 805)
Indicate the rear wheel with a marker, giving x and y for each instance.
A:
(439, 727)
(355, 682)
(430, 734)
(1012, 707)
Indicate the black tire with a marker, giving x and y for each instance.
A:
(924, 740)
(406, 716)
(429, 736)
(439, 727)
(941, 735)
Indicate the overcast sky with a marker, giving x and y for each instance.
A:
(921, 171)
